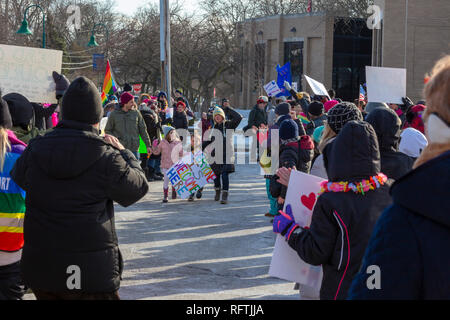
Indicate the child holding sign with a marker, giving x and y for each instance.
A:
(171, 150)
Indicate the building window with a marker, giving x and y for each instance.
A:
(260, 57)
(351, 53)
(293, 52)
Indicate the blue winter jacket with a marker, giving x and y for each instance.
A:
(411, 241)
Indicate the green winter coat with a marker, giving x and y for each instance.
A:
(127, 127)
(256, 118)
(26, 136)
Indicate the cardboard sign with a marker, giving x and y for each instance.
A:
(28, 71)
(302, 195)
(272, 89)
(317, 87)
(189, 174)
(386, 84)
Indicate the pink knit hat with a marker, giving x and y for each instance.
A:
(330, 104)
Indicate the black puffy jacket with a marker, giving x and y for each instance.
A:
(71, 177)
(180, 120)
(153, 123)
(342, 222)
(387, 126)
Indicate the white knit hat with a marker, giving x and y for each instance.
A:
(412, 142)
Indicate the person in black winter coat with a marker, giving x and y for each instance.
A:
(180, 120)
(316, 113)
(153, 124)
(296, 150)
(387, 124)
(41, 115)
(222, 167)
(346, 210)
(411, 241)
(71, 177)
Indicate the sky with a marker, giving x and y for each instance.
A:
(128, 7)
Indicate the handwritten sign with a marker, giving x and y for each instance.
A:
(385, 84)
(28, 71)
(317, 87)
(302, 195)
(272, 89)
(189, 174)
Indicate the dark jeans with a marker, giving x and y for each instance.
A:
(225, 181)
(41, 295)
(11, 286)
(155, 164)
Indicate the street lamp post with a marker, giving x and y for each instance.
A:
(92, 42)
(24, 27)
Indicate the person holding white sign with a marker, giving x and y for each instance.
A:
(345, 212)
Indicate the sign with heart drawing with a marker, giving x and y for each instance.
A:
(302, 194)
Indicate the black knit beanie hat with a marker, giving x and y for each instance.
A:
(342, 113)
(20, 109)
(82, 102)
(282, 109)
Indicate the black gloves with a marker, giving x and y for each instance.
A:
(407, 103)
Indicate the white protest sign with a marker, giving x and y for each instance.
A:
(28, 71)
(294, 86)
(302, 195)
(272, 89)
(190, 174)
(385, 84)
(317, 87)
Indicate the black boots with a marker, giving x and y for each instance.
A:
(151, 176)
(199, 193)
(217, 197)
(224, 197)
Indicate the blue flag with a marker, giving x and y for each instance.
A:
(284, 74)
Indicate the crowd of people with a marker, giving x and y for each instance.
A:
(384, 202)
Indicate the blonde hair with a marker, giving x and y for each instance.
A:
(437, 96)
(5, 146)
(327, 135)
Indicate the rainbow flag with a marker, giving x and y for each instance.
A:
(109, 86)
(303, 118)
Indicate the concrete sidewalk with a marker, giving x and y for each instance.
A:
(203, 249)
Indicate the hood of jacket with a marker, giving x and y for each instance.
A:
(387, 126)
(354, 154)
(281, 118)
(82, 147)
(424, 190)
